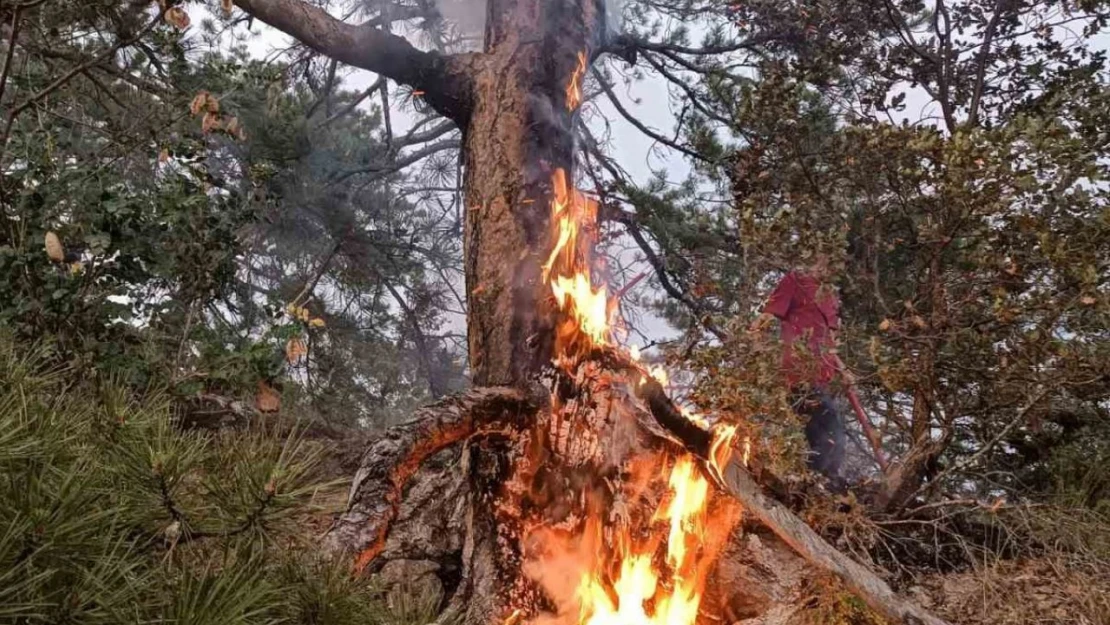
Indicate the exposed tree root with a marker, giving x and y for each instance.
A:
(392, 459)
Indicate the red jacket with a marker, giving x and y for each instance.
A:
(808, 311)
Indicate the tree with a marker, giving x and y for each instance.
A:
(953, 166)
(336, 277)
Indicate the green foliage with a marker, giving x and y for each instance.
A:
(196, 192)
(970, 245)
(112, 514)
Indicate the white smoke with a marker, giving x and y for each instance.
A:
(614, 16)
(467, 16)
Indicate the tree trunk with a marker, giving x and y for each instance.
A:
(518, 134)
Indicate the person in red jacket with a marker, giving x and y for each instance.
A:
(808, 313)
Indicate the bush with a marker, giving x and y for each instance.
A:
(111, 513)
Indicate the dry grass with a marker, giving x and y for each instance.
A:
(1051, 589)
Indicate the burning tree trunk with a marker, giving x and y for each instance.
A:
(518, 134)
(580, 464)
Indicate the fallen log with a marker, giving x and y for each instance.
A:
(808, 544)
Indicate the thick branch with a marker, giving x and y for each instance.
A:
(983, 61)
(445, 85)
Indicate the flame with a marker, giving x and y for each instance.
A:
(574, 89)
(641, 592)
(587, 309)
(720, 449)
(641, 570)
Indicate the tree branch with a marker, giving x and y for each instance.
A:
(660, 268)
(984, 57)
(630, 118)
(395, 166)
(65, 78)
(446, 85)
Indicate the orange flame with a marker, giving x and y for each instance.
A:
(642, 593)
(574, 89)
(586, 307)
(612, 573)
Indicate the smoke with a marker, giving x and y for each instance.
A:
(614, 17)
(467, 16)
(557, 562)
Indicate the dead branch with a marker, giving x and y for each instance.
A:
(808, 544)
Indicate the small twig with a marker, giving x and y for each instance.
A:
(11, 51)
(621, 292)
(64, 78)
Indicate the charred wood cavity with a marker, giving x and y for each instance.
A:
(690, 435)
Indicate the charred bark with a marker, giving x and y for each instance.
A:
(518, 135)
(391, 461)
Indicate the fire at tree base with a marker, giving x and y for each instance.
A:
(482, 537)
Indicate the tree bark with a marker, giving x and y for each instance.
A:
(518, 134)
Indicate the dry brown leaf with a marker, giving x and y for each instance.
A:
(226, 6)
(1087, 300)
(199, 102)
(267, 399)
(164, 155)
(234, 129)
(918, 321)
(885, 325)
(54, 248)
(210, 122)
(317, 323)
(178, 18)
(294, 349)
